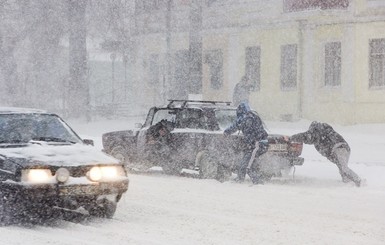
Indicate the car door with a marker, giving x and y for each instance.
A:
(154, 116)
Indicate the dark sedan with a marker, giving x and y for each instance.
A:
(45, 168)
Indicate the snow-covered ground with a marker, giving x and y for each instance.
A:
(311, 206)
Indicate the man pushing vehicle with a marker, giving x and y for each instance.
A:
(255, 141)
(331, 145)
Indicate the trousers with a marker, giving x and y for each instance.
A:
(249, 162)
(342, 155)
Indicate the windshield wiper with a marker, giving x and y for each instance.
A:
(52, 139)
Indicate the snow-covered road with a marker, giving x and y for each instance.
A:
(314, 207)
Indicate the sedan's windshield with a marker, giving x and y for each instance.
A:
(23, 128)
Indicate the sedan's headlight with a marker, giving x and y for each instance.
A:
(106, 173)
(36, 175)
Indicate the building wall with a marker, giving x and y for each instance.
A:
(351, 102)
(370, 102)
(325, 102)
(232, 26)
(271, 100)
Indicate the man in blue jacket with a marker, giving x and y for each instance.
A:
(255, 141)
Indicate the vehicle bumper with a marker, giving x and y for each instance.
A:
(55, 193)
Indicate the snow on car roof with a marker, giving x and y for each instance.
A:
(7, 110)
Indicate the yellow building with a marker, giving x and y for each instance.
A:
(318, 60)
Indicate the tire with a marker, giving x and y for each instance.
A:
(208, 165)
(5, 211)
(120, 153)
(103, 209)
(274, 166)
(265, 177)
(287, 171)
(10, 213)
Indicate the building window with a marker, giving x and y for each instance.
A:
(301, 5)
(214, 59)
(153, 69)
(289, 66)
(377, 63)
(333, 64)
(253, 66)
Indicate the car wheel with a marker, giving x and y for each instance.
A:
(9, 213)
(223, 173)
(5, 214)
(287, 171)
(208, 165)
(266, 177)
(103, 209)
(120, 153)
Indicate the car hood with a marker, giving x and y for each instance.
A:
(58, 154)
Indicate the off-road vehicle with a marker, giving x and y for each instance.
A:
(197, 142)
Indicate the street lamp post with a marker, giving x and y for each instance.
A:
(195, 49)
(125, 60)
(167, 81)
(113, 57)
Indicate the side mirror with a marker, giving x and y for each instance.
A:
(88, 142)
(138, 125)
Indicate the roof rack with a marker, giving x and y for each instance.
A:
(183, 103)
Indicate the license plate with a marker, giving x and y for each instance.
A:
(278, 147)
(78, 190)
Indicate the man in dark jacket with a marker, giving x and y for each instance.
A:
(159, 142)
(242, 91)
(255, 141)
(331, 145)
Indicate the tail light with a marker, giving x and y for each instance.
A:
(295, 148)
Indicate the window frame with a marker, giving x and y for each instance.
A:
(332, 77)
(214, 59)
(377, 56)
(253, 66)
(289, 67)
